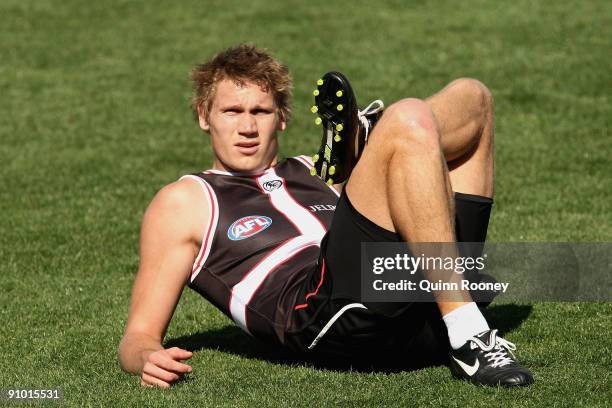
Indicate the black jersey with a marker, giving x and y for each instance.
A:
(263, 238)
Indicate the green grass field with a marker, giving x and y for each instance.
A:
(96, 119)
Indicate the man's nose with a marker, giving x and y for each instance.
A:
(247, 125)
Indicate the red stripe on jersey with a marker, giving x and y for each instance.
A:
(303, 305)
(305, 161)
(209, 230)
(272, 269)
(309, 164)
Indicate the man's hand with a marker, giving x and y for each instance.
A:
(163, 367)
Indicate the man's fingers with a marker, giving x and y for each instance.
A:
(166, 361)
(162, 369)
(150, 381)
(179, 353)
(160, 373)
(175, 366)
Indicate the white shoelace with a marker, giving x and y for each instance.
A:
(373, 107)
(498, 349)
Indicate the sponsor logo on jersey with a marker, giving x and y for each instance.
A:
(272, 185)
(322, 207)
(248, 226)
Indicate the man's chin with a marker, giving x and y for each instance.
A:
(249, 166)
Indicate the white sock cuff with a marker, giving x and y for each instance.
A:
(468, 309)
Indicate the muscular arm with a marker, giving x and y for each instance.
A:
(170, 233)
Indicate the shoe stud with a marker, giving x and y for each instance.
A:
(315, 158)
(337, 138)
(339, 94)
(320, 82)
(313, 171)
(332, 170)
(318, 121)
(314, 109)
(339, 127)
(339, 107)
(330, 181)
(315, 92)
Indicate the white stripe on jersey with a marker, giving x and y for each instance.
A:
(209, 233)
(311, 233)
(243, 291)
(276, 189)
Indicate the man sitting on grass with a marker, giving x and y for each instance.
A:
(277, 250)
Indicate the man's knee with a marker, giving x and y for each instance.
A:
(478, 93)
(408, 124)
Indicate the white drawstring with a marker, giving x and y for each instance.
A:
(374, 107)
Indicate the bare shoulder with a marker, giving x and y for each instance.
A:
(181, 206)
(180, 194)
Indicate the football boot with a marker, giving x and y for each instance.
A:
(487, 359)
(345, 127)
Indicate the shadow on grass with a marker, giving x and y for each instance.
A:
(508, 317)
(425, 352)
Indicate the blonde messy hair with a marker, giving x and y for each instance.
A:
(242, 63)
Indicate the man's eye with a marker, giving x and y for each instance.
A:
(262, 112)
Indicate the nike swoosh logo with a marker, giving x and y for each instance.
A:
(470, 370)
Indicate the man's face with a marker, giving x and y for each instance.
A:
(242, 122)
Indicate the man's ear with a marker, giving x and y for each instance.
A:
(204, 125)
(282, 125)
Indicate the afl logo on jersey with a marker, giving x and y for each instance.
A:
(272, 185)
(248, 226)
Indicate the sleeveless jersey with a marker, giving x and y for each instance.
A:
(262, 241)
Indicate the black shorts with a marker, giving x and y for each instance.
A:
(336, 321)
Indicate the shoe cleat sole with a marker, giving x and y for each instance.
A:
(336, 111)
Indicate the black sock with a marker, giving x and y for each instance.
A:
(472, 213)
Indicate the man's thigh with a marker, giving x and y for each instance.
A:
(404, 145)
(367, 186)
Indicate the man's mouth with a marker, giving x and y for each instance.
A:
(247, 148)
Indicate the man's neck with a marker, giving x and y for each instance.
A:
(218, 165)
